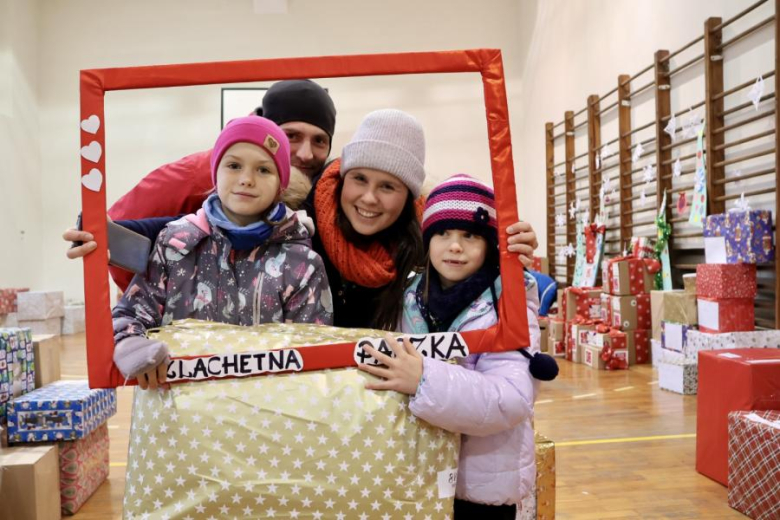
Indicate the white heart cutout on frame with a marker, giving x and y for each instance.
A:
(93, 180)
(92, 152)
(91, 124)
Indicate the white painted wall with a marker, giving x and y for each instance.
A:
(21, 178)
(148, 128)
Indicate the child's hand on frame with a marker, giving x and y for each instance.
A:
(154, 378)
(401, 373)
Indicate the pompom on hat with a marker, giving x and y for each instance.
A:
(259, 131)
(461, 202)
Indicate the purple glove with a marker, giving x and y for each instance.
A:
(135, 355)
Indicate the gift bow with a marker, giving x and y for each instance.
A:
(612, 362)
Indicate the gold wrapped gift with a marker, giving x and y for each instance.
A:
(300, 445)
(541, 503)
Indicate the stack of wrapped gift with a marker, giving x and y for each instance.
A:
(30, 483)
(682, 310)
(726, 294)
(629, 280)
(678, 316)
(540, 504)
(556, 340)
(8, 307)
(606, 348)
(73, 319)
(17, 366)
(46, 349)
(754, 463)
(731, 381)
(544, 323)
(74, 416)
(41, 311)
(580, 310)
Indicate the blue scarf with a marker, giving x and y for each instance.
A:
(242, 237)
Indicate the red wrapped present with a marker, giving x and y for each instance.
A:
(631, 312)
(592, 357)
(629, 275)
(582, 301)
(614, 359)
(556, 331)
(754, 463)
(8, 300)
(606, 336)
(541, 265)
(730, 381)
(638, 346)
(726, 281)
(726, 315)
(83, 467)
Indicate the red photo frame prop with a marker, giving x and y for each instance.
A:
(511, 331)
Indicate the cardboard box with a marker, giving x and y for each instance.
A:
(8, 321)
(580, 335)
(731, 381)
(655, 354)
(540, 504)
(631, 312)
(17, 366)
(592, 357)
(656, 312)
(3, 439)
(40, 305)
(754, 464)
(556, 337)
(675, 336)
(73, 322)
(726, 315)
(47, 359)
(739, 236)
(541, 265)
(689, 283)
(584, 302)
(543, 340)
(606, 307)
(679, 307)
(47, 326)
(30, 487)
(629, 276)
(638, 346)
(8, 300)
(84, 465)
(63, 410)
(719, 281)
(318, 420)
(680, 378)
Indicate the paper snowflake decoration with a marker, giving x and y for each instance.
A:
(638, 149)
(643, 197)
(756, 91)
(560, 220)
(691, 125)
(677, 168)
(572, 210)
(648, 173)
(671, 128)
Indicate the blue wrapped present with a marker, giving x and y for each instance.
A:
(17, 365)
(63, 410)
(739, 237)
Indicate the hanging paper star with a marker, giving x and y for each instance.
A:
(677, 168)
(598, 160)
(756, 91)
(560, 220)
(638, 149)
(572, 210)
(742, 203)
(570, 250)
(671, 128)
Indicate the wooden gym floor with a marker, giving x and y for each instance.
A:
(624, 447)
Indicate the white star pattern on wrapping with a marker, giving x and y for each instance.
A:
(275, 460)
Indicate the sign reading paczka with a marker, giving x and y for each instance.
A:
(439, 345)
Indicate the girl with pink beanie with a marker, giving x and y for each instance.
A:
(244, 258)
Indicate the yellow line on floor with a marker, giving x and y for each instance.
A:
(627, 439)
(581, 396)
(653, 383)
(71, 376)
(623, 389)
(544, 401)
(118, 464)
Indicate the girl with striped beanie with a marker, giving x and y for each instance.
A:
(489, 397)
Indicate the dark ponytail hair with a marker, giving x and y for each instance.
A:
(404, 241)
